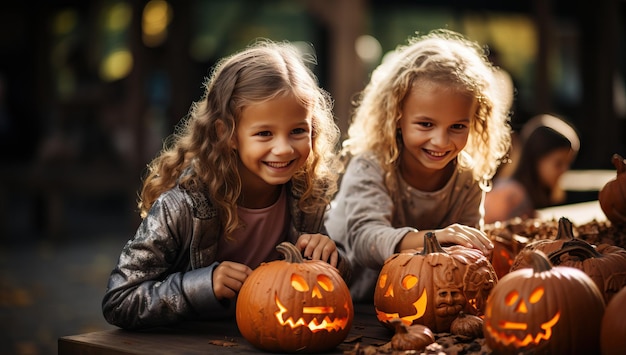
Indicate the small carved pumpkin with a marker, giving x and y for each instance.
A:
(431, 287)
(294, 305)
(613, 330)
(544, 309)
(565, 233)
(605, 264)
(612, 196)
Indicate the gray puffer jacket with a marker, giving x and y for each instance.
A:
(164, 274)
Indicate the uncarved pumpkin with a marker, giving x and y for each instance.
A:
(612, 196)
(565, 233)
(430, 287)
(613, 331)
(544, 310)
(605, 264)
(294, 305)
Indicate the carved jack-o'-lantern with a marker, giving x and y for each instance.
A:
(294, 305)
(544, 309)
(431, 287)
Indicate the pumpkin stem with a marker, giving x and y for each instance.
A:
(431, 244)
(399, 326)
(291, 252)
(565, 229)
(619, 163)
(576, 247)
(537, 261)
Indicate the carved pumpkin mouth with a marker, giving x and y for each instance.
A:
(317, 318)
(516, 333)
(420, 309)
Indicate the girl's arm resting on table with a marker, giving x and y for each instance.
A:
(179, 297)
(147, 288)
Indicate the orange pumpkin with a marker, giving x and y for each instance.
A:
(545, 310)
(613, 330)
(431, 287)
(294, 305)
(564, 234)
(605, 264)
(612, 196)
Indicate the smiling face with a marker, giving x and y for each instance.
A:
(273, 140)
(435, 125)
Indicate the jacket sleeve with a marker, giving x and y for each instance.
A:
(152, 284)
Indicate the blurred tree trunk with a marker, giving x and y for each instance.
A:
(599, 36)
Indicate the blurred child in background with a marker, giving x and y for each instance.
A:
(549, 145)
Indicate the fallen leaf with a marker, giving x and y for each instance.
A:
(225, 343)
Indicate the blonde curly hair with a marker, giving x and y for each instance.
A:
(443, 57)
(262, 71)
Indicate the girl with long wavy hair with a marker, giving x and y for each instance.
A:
(253, 164)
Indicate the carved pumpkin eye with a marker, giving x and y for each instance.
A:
(511, 298)
(536, 295)
(409, 281)
(325, 283)
(299, 283)
(382, 280)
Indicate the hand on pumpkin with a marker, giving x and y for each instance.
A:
(318, 247)
(455, 233)
(228, 277)
(466, 236)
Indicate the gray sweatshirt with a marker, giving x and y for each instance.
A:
(369, 220)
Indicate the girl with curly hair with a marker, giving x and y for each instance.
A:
(427, 136)
(252, 165)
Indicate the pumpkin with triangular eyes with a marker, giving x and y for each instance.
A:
(544, 310)
(294, 305)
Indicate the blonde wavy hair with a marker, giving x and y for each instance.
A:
(201, 142)
(442, 57)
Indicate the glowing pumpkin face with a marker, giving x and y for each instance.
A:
(432, 287)
(407, 289)
(545, 309)
(318, 316)
(294, 305)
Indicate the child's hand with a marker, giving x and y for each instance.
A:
(318, 247)
(465, 236)
(228, 277)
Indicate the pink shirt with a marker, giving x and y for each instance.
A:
(256, 242)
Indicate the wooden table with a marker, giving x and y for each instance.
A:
(212, 337)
